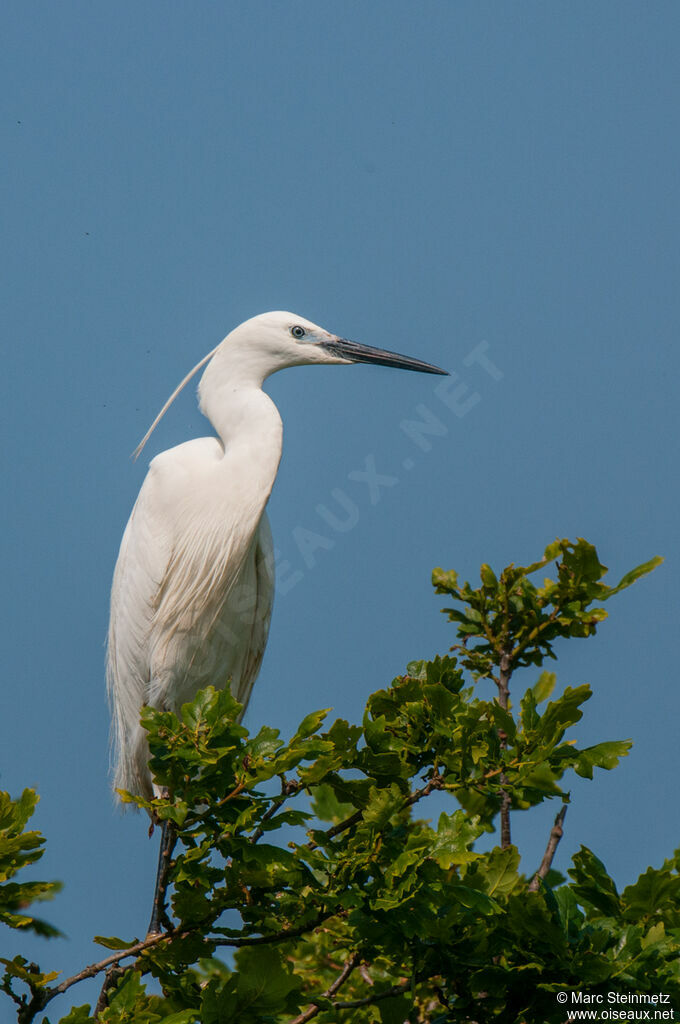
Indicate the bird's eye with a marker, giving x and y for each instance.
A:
(297, 332)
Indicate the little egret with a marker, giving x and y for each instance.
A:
(193, 585)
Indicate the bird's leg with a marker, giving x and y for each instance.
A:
(158, 915)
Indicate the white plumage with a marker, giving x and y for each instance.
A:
(194, 581)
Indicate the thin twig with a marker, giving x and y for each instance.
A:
(436, 782)
(503, 698)
(315, 1008)
(556, 833)
(159, 915)
(363, 971)
(342, 826)
(238, 788)
(29, 1011)
(536, 631)
(396, 990)
(263, 940)
(287, 789)
(92, 970)
(110, 979)
(42, 997)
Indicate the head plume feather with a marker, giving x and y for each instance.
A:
(138, 450)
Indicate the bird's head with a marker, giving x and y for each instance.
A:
(274, 341)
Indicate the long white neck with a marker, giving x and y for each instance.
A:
(245, 418)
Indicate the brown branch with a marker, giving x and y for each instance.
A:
(436, 782)
(521, 647)
(287, 789)
(312, 1011)
(110, 979)
(159, 916)
(285, 933)
(94, 969)
(506, 838)
(42, 997)
(499, 771)
(504, 679)
(342, 826)
(235, 792)
(503, 699)
(363, 971)
(396, 990)
(28, 1011)
(556, 833)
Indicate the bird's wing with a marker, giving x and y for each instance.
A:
(205, 613)
(264, 573)
(142, 561)
(188, 544)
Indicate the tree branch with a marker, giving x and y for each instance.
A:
(111, 962)
(110, 979)
(503, 698)
(396, 990)
(436, 782)
(287, 789)
(238, 788)
(159, 916)
(285, 933)
(94, 969)
(556, 833)
(330, 991)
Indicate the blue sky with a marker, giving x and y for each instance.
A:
(449, 180)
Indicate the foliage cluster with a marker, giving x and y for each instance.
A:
(306, 882)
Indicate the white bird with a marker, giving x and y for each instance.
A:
(193, 585)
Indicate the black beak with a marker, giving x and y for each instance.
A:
(357, 353)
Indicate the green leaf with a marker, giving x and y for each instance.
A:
(592, 885)
(113, 942)
(602, 755)
(78, 1015)
(417, 670)
(583, 561)
(529, 716)
(544, 686)
(128, 993)
(30, 974)
(563, 712)
(263, 980)
(488, 576)
(444, 581)
(500, 868)
(655, 892)
(18, 850)
(570, 914)
(633, 575)
(504, 721)
(310, 724)
(395, 1010)
(554, 550)
(473, 899)
(655, 936)
(326, 805)
(455, 835)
